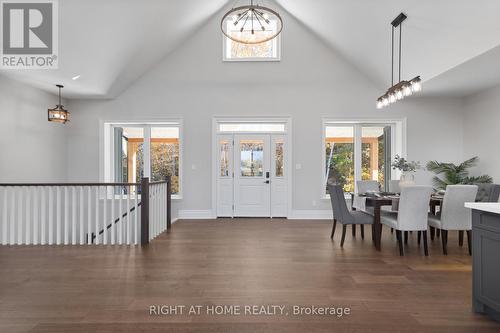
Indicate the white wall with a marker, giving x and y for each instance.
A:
(482, 123)
(309, 83)
(32, 149)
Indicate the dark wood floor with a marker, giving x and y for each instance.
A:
(239, 262)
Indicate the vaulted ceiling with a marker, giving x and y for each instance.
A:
(111, 43)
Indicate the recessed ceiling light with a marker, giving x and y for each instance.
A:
(74, 78)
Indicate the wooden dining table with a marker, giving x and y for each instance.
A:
(377, 202)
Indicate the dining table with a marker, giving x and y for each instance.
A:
(379, 200)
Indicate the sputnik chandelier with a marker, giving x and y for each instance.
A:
(251, 24)
(403, 88)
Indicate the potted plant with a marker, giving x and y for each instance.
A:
(407, 169)
(455, 174)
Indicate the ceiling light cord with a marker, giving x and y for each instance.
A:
(400, 43)
(392, 57)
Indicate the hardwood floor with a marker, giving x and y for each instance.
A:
(240, 262)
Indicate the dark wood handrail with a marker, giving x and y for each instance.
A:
(70, 184)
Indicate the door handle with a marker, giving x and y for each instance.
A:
(267, 182)
(267, 174)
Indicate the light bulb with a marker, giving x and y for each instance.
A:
(385, 101)
(416, 86)
(392, 98)
(399, 94)
(380, 105)
(407, 90)
(235, 18)
(266, 16)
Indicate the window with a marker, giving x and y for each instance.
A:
(144, 150)
(360, 151)
(267, 51)
(252, 156)
(251, 127)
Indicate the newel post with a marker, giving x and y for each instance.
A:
(145, 211)
(169, 202)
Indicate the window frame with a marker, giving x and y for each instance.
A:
(398, 144)
(107, 146)
(279, 45)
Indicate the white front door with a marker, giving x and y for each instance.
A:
(252, 175)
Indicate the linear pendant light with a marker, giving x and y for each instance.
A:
(403, 88)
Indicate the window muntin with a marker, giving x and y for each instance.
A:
(225, 163)
(267, 51)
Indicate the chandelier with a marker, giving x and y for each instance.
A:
(403, 88)
(58, 114)
(251, 24)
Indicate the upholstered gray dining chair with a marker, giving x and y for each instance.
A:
(342, 215)
(487, 192)
(453, 215)
(411, 215)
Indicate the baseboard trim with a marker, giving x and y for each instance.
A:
(196, 214)
(303, 214)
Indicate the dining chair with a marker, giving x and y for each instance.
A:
(342, 215)
(453, 215)
(411, 214)
(487, 192)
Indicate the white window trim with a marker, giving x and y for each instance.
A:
(279, 45)
(398, 142)
(106, 163)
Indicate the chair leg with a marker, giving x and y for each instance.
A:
(353, 230)
(469, 241)
(400, 242)
(426, 249)
(461, 238)
(444, 240)
(373, 232)
(392, 230)
(362, 231)
(419, 237)
(333, 228)
(406, 237)
(433, 232)
(344, 229)
(438, 231)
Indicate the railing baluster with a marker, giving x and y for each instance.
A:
(129, 223)
(96, 232)
(43, 219)
(27, 213)
(58, 219)
(89, 216)
(112, 220)
(105, 210)
(81, 216)
(20, 217)
(73, 215)
(136, 217)
(66, 216)
(12, 222)
(120, 217)
(36, 216)
(4, 216)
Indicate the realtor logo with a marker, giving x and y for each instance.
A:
(29, 34)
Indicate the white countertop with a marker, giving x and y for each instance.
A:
(492, 207)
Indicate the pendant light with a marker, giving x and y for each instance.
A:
(251, 24)
(403, 88)
(58, 114)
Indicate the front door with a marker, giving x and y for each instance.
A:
(252, 175)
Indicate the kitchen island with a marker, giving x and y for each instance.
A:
(486, 258)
